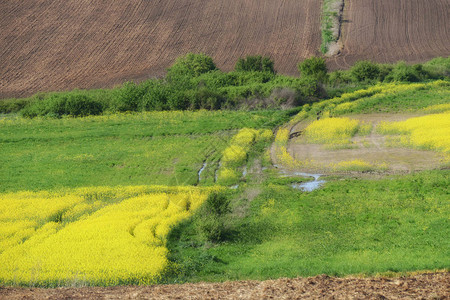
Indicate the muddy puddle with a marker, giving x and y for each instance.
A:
(304, 186)
(310, 185)
(199, 173)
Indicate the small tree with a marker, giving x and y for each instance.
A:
(255, 64)
(190, 65)
(314, 67)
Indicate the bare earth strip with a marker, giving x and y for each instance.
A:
(424, 286)
(387, 31)
(66, 44)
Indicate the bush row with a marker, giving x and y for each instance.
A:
(194, 82)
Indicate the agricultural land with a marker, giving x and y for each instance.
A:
(216, 149)
(81, 207)
(64, 45)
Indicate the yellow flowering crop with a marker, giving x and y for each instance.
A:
(245, 137)
(437, 108)
(102, 236)
(282, 136)
(235, 155)
(332, 130)
(228, 176)
(428, 132)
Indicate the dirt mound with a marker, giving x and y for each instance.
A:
(424, 286)
(67, 44)
(386, 31)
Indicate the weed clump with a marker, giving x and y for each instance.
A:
(211, 218)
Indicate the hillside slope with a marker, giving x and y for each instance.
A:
(62, 45)
(59, 45)
(386, 31)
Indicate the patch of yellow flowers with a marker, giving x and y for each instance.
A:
(430, 132)
(235, 155)
(349, 101)
(335, 130)
(357, 165)
(91, 236)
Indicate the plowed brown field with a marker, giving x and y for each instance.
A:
(387, 31)
(424, 286)
(65, 44)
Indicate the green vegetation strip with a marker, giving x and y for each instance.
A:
(330, 23)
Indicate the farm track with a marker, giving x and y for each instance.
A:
(423, 286)
(387, 31)
(62, 45)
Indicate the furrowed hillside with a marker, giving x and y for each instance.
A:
(386, 31)
(62, 45)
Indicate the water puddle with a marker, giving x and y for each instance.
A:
(201, 170)
(310, 185)
(304, 186)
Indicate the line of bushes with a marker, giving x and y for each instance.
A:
(194, 82)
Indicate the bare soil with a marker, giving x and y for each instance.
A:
(373, 148)
(424, 286)
(387, 31)
(67, 44)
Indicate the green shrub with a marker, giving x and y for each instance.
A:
(384, 71)
(190, 65)
(128, 97)
(365, 71)
(309, 88)
(438, 67)
(57, 105)
(337, 78)
(407, 73)
(211, 217)
(13, 105)
(155, 97)
(315, 68)
(255, 64)
(205, 98)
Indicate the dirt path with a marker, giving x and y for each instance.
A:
(424, 286)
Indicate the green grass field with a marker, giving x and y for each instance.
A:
(350, 226)
(151, 148)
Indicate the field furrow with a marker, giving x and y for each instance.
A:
(64, 45)
(387, 31)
